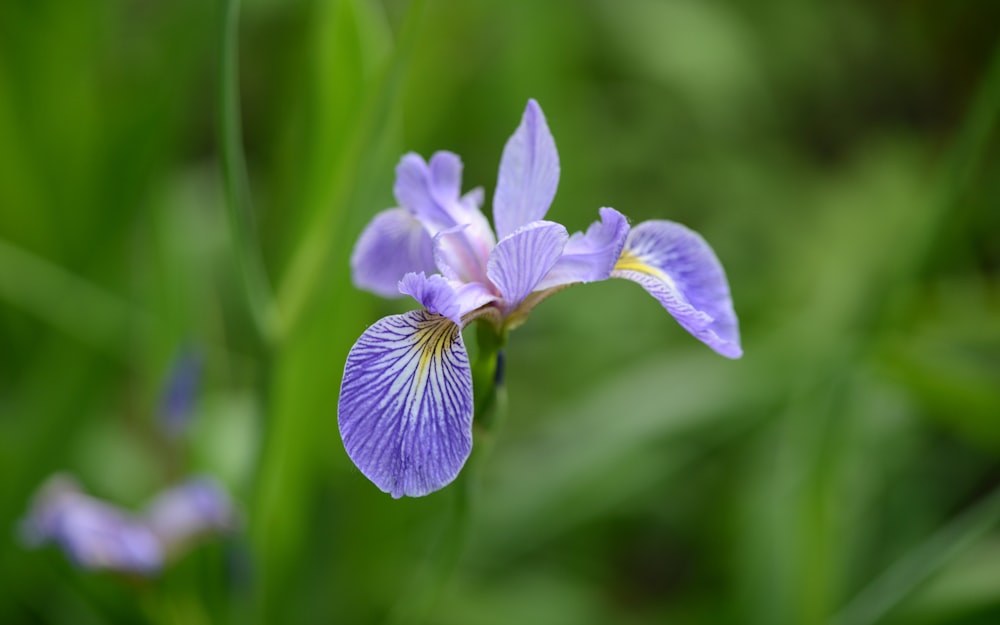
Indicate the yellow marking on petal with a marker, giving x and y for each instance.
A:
(630, 262)
(433, 339)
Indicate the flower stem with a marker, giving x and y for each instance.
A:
(237, 187)
(445, 555)
(488, 374)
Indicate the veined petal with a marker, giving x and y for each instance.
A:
(677, 267)
(529, 174)
(391, 245)
(590, 257)
(413, 190)
(431, 191)
(448, 299)
(461, 253)
(473, 295)
(405, 410)
(433, 293)
(520, 261)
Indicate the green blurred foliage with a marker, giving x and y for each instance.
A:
(842, 158)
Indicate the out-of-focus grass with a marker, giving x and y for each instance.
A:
(841, 158)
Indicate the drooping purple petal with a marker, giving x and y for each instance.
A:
(677, 267)
(94, 534)
(519, 262)
(590, 257)
(391, 246)
(197, 507)
(529, 174)
(405, 409)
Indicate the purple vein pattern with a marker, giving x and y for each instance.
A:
(409, 389)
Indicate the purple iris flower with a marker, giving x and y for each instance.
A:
(98, 535)
(406, 405)
(93, 533)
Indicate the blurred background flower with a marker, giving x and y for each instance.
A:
(841, 158)
(99, 535)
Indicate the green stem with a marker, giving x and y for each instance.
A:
(238, 203)
(445, 555)
(487, 373)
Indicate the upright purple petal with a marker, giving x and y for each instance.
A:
(677, 267)
(431, 192)
(391, 246)
(590, 257)
(529, 174)
(520, 261)
(405, 410)
(461, 253)
(414, 191)
(445, 178)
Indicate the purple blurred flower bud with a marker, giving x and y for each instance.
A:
(178, 396)
(94, 534)
(196, 508)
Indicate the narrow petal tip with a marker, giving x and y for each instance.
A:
(529, 173)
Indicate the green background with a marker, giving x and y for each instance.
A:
(842, 158)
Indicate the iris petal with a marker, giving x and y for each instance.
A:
(529, 174)
(392, 245)
(461, 253)
(405, 409)
(430, 191)
(520, 261)
(414, 191)
(677, 267)
(590, 257)
(93, 533)
(445, 177)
